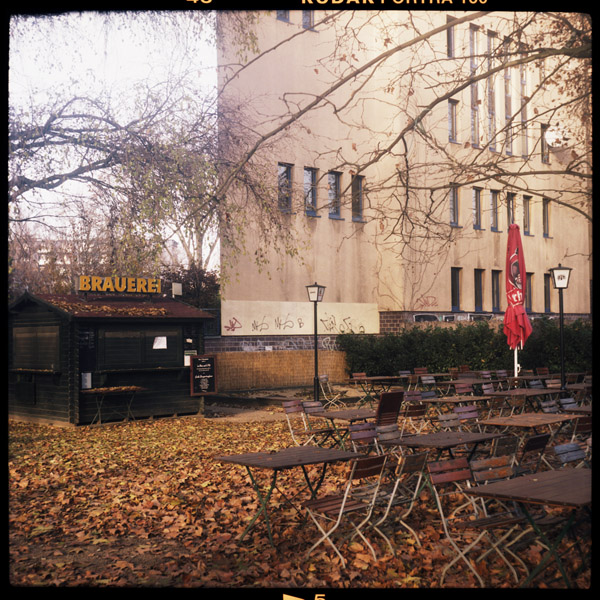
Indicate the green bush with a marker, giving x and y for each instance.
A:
(478, 345)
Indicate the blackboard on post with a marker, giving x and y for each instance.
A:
(203, 377)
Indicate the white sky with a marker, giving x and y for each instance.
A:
(78, 54)
(78, 51)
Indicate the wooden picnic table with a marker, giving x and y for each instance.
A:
(569, 488)
(281, 460)
(100, 393)
(372, 385)
(526, 394)
(532, 421)
(446, 440)
(585, 410)
(349, 415)
(529, 419)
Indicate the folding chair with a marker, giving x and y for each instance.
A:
(412, 382)
(403, 491)
(414, 418)
(582, 428)
(389, 438)
(446, 422)
(566, 403)
(305, 434)
(363, 437)
(495, 406)
(332, 399)
(571, 453)
(469, 417)
(463, 389)
(554, 384)
(388, 408)
(448, 479)
(531, 454)
(536, 384)
(542, 371)
(354, 505)
(502, 376)
(549, 406)
(506, 445)
(428, 382)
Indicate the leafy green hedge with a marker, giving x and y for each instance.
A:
(478, 345)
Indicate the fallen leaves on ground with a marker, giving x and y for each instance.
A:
(146, 504)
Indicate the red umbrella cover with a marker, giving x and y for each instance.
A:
(517, 327)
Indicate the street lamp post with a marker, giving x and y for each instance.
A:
(560, 279)
(315, 295)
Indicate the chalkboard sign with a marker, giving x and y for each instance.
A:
(203, 380)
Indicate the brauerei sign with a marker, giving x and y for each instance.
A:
(129, 285)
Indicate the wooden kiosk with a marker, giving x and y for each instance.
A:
(119, 349)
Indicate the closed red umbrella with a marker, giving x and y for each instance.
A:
(517, 327)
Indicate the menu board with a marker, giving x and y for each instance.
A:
(203, 380)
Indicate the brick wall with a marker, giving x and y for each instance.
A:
(277, 369)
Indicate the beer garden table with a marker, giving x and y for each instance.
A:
(532, 421)
(373, 385)
(281, 460)
(527, 394)
(453, 400)
(568, 488)
(350, 415)
(129, 391)
(446, 440)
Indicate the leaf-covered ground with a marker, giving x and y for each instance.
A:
(145, 504)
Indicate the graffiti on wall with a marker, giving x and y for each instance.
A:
(296, 318)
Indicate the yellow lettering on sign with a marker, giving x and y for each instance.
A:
(141, 285)
(84, 283)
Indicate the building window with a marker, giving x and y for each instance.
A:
(496, 291)
(308, 19)
(544, 148)
(508, 101)
(477, 208)
(310, 191)
(479, 290)
(527, 215)
(357, 197)
(546, 217)
(529, 293)
(450, 38)
(154, 347)
(473, 45)
(452, 120)
(510, 208)
(491, 49)
(494, 195)
(455, 287)
(524, 100)
(454, 206)
(284, 187)
(283, 15)
(333, 194)
(36, 347)
(547, 288)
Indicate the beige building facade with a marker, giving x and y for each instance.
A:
(398, 148)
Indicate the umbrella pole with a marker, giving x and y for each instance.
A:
(516, 371)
